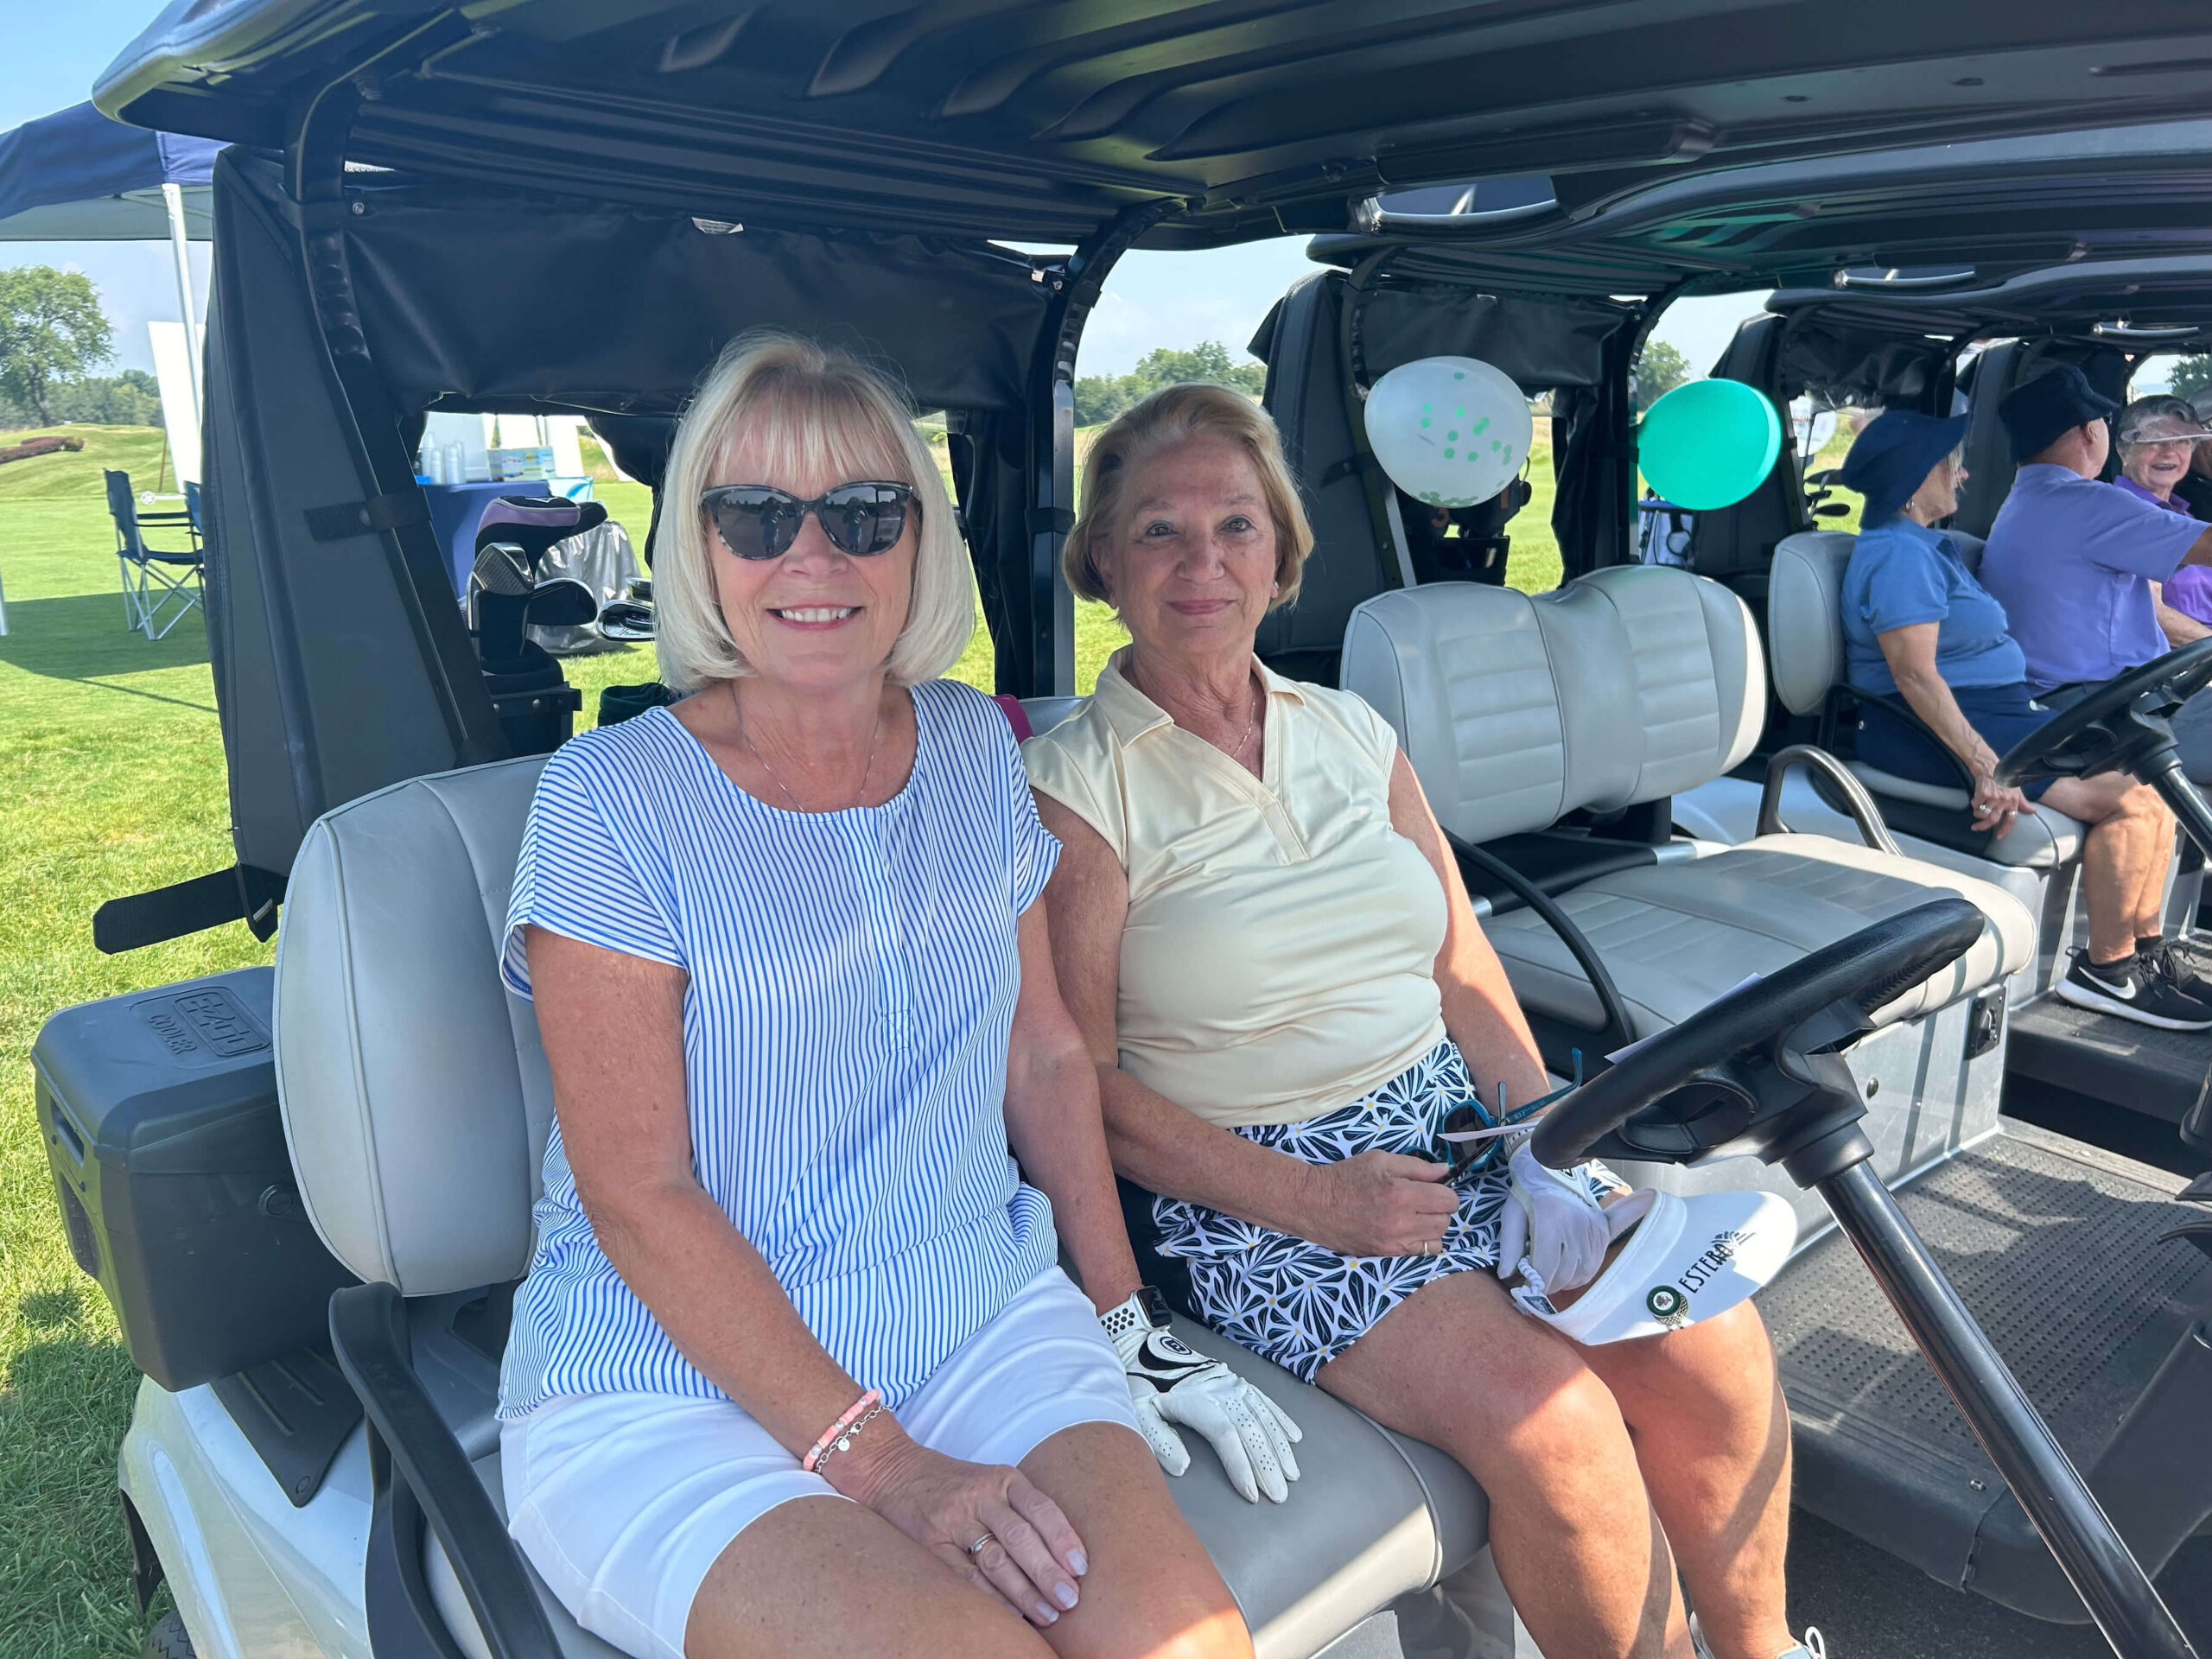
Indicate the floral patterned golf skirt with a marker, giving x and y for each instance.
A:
(1301, 1304)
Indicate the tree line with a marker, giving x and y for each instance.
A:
(1100, 397)
(53, 336)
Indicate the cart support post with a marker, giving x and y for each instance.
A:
(2095, 1559)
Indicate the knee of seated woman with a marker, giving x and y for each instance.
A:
(1552, 1415)
(1175, 1630)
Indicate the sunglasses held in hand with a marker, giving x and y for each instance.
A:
(1469, 1138)
(757, 522)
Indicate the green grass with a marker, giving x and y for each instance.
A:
(111, 781)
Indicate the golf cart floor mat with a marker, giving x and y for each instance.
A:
(2157, 1072)
(2053, 1247)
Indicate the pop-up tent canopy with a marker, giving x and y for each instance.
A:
(77, 176)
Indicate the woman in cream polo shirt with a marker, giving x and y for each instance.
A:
(1262, 931)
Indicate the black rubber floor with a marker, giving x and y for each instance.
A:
(1868, 1604)
(2053, 1247)
(2156, 1073)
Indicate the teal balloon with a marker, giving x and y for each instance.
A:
(1709, 443)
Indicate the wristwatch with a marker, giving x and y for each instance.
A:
(1147, 1309)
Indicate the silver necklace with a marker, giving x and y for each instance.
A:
(1259, 700)
(745, 735)
(1250, 720)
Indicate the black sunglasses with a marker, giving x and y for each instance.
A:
(756, 522)
(1469, 1138)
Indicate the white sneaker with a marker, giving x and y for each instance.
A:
(1812, 1647)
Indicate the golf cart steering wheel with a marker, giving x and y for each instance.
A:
(2116, 726)
(1862, 973)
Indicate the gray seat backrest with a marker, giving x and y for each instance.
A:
(416, 1098)
(1804, 616)
(1804, 611)
(1633, 682)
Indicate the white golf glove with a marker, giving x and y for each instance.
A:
(1170, 1383)
(1551, 1231)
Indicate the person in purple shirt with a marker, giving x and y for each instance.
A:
(1941, 689)
(2073, 561)
(2157, 441)
(2162, 442)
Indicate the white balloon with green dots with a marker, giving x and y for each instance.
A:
(1451, 431)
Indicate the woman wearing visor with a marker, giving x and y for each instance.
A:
(1918, 626)
(795, 1370)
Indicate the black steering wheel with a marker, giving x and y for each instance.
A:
(1865, 971)
(2114, 727)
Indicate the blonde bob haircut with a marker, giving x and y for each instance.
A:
(817, 413)
(1170, 416)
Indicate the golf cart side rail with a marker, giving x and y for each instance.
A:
(421, 1473)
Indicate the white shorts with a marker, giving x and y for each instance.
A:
(622, 1501)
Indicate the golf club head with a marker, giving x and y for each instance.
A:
(563, 602)
(501, 569)
(625, 620)
(641, 589)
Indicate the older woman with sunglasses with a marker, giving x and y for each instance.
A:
(2163, 447)
(795, 1370)
(1264, 936)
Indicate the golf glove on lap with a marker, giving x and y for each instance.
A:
(1551, 1231)
(1170, 1383)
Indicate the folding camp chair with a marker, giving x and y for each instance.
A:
(159, 585)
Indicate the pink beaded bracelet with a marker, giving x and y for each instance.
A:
(859, 1409)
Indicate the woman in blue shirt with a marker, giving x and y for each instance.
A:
(797, 999)
(1917, 625)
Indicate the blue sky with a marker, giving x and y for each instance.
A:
(55, 51)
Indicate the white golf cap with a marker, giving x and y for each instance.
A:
(1687, 1260)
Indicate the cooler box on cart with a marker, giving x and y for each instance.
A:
(158, 1109)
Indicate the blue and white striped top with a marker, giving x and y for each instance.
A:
(852, 984)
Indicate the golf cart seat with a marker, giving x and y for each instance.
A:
(1805, 621)
(416, 1101)
(1619, 689)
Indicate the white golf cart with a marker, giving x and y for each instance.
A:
(308, 1192)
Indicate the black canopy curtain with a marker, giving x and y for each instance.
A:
(326, 683)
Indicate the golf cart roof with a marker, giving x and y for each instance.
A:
(1042, 120)
(2136, 306)
(1915, 219)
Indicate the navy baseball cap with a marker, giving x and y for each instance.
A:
(1893, 455)
(2036, 414)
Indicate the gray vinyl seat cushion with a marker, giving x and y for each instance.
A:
(416, 1100)
(1804, 614)
(1627, 686)
(1676, 935)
